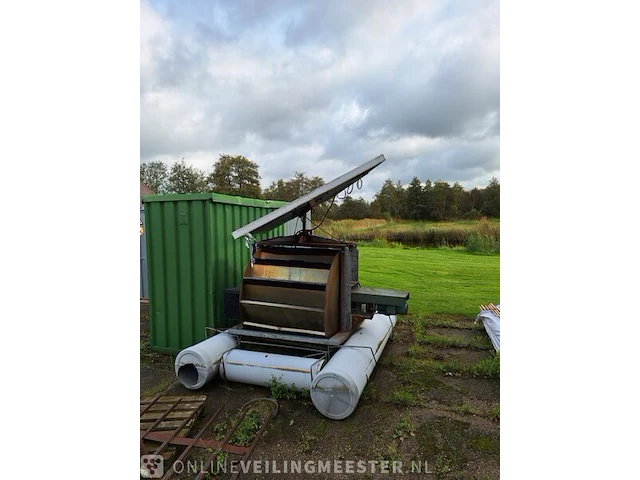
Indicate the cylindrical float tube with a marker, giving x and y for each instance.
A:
(198, 364)
(260, 368)
(336, 390)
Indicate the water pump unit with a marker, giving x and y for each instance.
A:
(303, 317)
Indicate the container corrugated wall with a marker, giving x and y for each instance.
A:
(144, 284)
(192, 258)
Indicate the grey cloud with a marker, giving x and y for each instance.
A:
(463, 88)
(435, 78)
(325, 22)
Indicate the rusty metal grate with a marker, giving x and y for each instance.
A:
(165, 422)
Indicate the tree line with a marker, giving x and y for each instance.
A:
(436, 200)
(237, 175)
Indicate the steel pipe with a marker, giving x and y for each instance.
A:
(199, 363)
(336, 390)
(260, 368)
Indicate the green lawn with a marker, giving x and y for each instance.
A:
(441, 281)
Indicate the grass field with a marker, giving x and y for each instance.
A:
(441, 281)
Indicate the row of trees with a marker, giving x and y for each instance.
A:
(432, 201)
(435, 200)
(236, 175)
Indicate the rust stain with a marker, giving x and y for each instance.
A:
(271, 367)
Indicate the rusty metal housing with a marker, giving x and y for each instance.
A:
(300, 284)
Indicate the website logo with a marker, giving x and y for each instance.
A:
(151, 466)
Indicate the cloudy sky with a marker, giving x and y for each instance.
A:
(323, 86)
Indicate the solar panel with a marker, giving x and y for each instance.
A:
(302, 205)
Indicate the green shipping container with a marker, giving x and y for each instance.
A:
(192, 258)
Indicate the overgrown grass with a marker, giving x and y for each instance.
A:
(489, 367)
(484, 238)
(449, 282)
(461, 233)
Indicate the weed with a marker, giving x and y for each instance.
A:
(148, 356)
(283, 391)
(443, 465)
(221, 428)
(404, 428)
(247, 429)
(306, 442)
(219, 460)
(392, 454)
